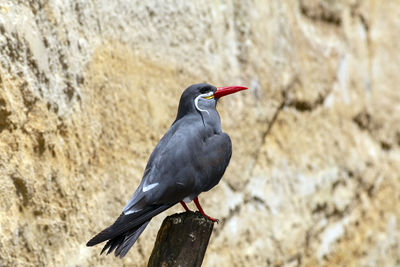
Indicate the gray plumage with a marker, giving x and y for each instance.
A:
(190, 158)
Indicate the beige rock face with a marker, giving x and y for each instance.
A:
(87, 88)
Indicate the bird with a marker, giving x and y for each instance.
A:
(189, 159)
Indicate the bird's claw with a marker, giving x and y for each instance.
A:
(211, 218)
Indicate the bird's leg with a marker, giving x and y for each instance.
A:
(184, 205)
(196, 201)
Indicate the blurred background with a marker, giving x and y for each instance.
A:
(87, 88)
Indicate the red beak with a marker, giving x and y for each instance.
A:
(223, 91)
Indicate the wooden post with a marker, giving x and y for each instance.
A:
(181, 241)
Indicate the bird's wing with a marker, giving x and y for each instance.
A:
(164, 179)
(187, 161)
(144, 195)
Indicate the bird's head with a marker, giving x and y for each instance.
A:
(202, 96)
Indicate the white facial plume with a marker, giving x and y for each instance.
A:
(196, 101)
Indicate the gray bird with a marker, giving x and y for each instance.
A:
(190, 158)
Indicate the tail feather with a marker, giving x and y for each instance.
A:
(112, 244)
(129, 240)
(124, 242)
(126, 230)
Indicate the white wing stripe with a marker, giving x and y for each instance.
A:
(149, 187)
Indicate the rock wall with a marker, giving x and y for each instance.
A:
(87, 88)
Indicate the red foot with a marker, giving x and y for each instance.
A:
(196, 201)
(184, 205)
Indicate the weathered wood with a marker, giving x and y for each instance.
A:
(182, 240)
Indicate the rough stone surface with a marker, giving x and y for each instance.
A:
(87, 88)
